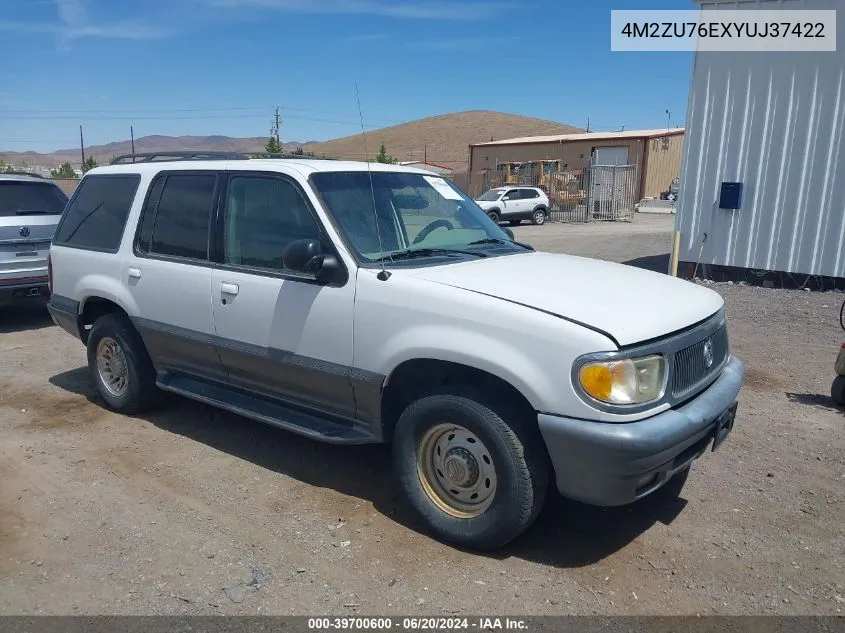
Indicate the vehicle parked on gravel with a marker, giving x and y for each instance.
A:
(354, 302)
(30, 208)
(515, 204)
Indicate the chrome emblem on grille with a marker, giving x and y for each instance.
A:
(708, 353)
(24, 231)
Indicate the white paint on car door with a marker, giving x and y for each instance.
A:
(277, 333)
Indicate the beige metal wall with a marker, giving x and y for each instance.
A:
(662, 163)
(572, 154)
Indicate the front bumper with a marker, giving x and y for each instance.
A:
(612, 464)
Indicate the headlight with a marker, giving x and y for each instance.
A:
(628, 381)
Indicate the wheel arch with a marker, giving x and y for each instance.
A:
(413, 378)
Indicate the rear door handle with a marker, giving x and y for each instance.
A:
(134, 273)
(229, 288)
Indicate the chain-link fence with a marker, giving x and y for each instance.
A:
(598, 192)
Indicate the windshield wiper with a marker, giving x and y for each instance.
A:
(412, 253)
(499, 240)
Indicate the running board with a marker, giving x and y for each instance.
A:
(267, 410)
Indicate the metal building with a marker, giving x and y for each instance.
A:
(775, 123)
(654, 154)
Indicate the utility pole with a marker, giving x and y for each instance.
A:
(82, 147)
(425, 154)
(132, 136)
(668, 120)
(588, 124)
(277, 123)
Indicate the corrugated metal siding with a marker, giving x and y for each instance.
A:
(776, 122)
(662, 163)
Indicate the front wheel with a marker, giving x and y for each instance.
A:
(474, 471)
(493, 215)
(539, 217)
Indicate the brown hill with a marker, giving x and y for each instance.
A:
(104, 153)
(442, 139)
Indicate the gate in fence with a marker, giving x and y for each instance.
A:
(612, 192)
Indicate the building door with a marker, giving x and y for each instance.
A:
(617, 155)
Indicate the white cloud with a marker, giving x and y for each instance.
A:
(73, 23)
(417, 9)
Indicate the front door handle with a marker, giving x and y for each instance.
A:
(229, 288)
(134, 273)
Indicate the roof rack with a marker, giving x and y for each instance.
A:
(149, 157)
(15, 172)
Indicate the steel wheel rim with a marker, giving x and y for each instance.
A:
(112, 366)
(456, 471)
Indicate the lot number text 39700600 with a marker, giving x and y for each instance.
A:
(417, 624)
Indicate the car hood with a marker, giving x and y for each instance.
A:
(629, 304)
(484, 204)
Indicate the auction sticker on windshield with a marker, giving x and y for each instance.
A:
(443, 188)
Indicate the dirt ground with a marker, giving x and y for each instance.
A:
(195, 511)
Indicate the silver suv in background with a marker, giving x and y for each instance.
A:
(515, 204)
(30, 209)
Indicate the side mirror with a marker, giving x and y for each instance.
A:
(306, 256)
(506, 198)
(509, 233)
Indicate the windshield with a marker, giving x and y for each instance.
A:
(415, 212)
(30, 198)
(491, 195)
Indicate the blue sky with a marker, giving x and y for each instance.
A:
(220, 66)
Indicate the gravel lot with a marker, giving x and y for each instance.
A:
(196, 511)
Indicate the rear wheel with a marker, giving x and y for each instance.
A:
(837, 390)
(475, 471)
(119, 365)
(538, 217)
(493, 215)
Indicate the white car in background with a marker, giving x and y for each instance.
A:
(515, 204)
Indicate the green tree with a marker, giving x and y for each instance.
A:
(383, 156)
(65, 170)
(273, 146)
(89, 164)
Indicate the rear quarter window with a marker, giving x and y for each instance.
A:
(20, 197)
(97, 212)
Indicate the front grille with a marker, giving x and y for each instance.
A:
(690, 369)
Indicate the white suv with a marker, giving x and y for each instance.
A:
(515, 204)
(358, 303)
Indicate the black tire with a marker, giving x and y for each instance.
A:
(837, 390)
(538, 218)
(493, 214)
(518, 455)
(514, 222)
(141, 392)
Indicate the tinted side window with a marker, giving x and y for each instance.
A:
(180, 227)
(97, 213)
(530, 193)
(263, 216)
(513, 194)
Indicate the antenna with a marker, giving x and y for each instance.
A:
(383, 275)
